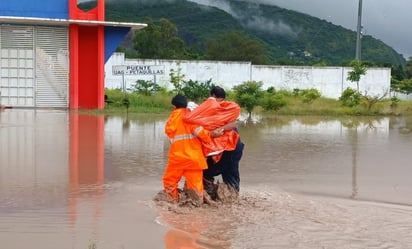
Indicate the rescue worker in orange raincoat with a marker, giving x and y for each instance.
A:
(185, 158)
(213, 113)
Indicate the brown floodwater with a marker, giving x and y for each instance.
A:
(82, 181)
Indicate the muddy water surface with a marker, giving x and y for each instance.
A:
(81, 181)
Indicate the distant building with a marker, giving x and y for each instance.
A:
(52, 53)
(307, 53)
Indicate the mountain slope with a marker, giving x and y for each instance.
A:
(288, 35)
(301, 34)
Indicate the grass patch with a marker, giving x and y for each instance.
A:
(134, 102)
(129, 103)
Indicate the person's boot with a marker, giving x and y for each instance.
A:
(226, 193)
(208, 200)
(210, 188)
(194, 198)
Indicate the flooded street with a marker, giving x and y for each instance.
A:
(72, 181)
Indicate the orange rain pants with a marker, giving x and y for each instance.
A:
(172, 176)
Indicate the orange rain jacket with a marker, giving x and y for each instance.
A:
(185, 154)
(212, 114)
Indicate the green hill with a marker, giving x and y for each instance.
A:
(287, 35)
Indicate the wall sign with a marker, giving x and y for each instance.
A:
(138, 69)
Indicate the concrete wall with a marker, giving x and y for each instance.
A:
(330, 81)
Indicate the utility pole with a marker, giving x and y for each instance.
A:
(359, 32)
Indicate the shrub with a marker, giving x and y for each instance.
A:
(145, 87)
(350, 97)
(247, 94)
(197, 91)
(271, 89)
(310, 95)
(273, 101)
(394, 101)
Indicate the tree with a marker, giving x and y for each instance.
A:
(398, 72)
(236, 46)
(159, 41)
(177, 79)
(248, 95)
(359, 69)
(403, 86)
(408, 68)
(372, 100)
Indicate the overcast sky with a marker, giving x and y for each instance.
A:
(387, 20)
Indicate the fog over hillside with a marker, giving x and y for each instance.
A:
(386, 20)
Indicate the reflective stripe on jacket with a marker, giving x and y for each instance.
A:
(185, 142)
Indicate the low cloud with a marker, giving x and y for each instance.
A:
(387, 20)
(255, 21)
(264, 24)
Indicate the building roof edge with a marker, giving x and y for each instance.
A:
(66, 22)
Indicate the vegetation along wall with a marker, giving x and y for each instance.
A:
(330, 81)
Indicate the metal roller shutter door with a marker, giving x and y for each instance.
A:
(52, 71)
(34, 69)
(16, 67)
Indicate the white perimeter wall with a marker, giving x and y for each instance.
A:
(330, 81)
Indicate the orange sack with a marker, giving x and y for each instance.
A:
(212, 114)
